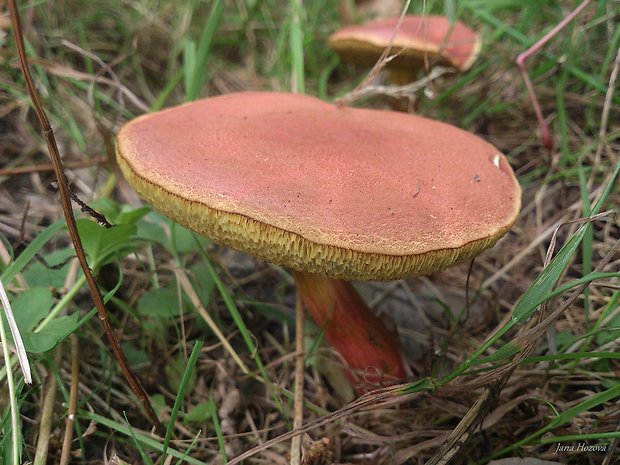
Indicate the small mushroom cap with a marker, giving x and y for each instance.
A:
(433, 37)
(343, 192)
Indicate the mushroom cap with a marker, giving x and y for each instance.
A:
(433, 37)
(343, 192)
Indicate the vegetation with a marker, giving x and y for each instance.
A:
(515, 355)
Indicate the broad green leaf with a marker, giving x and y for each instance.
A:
(101, 243)
(131, 216)
(180, 240)
(160, 302)
(57, 330)
(135, 356)
(31, 306)
(198, 414)
(47, 275)
(117, 213)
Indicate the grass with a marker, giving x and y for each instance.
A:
(559, 381)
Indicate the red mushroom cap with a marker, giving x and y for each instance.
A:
(343, 192)
(433, 37)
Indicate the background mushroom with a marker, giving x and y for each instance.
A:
(420, 42)
(339, 192)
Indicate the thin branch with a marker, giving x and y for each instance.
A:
(298, 404)
(65, 456)
(65, 199)
(75, 164)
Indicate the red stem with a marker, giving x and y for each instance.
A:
(370, 350)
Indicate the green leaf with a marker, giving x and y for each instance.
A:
(57, 330)
(40, 274)
(31, 306)
(160, 302)
(101, 244)
(199, 413)
(135, 357)
(181, 240)
(131, 216)
(117, 213)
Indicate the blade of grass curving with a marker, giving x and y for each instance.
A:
(547, 279)
(238, 319)
(218, 429)
(190, 447)
(164, 94)
(189, 65)
(140, 437)
(29, 252)
(201, 54)
(572, 356)
(588, 238)
(562, 114)
(245, 333)
(611, 306)
(191, 364)
(614, 44)
(564, 417)
(145, 457)
(581, 437)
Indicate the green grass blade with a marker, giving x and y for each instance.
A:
(189, 65)
(218, 429)
(581, 437)
(198, 69)
(145, 458)
(564, 417)
(33, 248)
(141, 438)
(191, 364)
(580, 356)
(245, 333)
(296, 43)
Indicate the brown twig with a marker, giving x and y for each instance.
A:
(73, 393)
(75, 164)
(65, 200)
(298, 415)
(47, 411)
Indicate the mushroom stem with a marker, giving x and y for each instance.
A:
(369, 349)
(402, 77)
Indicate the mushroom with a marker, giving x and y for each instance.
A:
(420, 40)
(333, 193)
